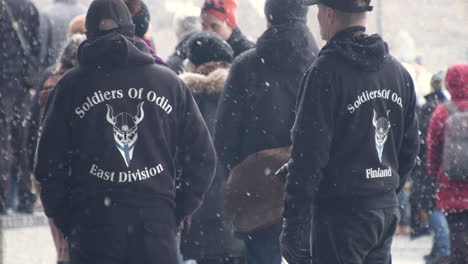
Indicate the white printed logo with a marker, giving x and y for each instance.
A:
(125, 130)
(382, 127)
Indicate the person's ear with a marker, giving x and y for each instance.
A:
(331, 16)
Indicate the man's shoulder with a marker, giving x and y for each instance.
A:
(246, 58)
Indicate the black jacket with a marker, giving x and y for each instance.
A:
(114, 127)
(424, 185)
(257, 108)
(239, 42)
(355, 139)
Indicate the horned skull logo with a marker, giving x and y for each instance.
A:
(382, 127)
(125, 130)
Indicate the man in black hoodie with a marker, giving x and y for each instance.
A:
(355, 140)
(256, 109)
(106, 160)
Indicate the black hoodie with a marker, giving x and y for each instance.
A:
(355, 139)
(256, 109)
(114, 127)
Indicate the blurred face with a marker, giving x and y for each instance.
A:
(211, 23)
(326, 19)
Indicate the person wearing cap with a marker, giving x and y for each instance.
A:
(354, 142)
(255, 117)
(219, 16)
(112, 132)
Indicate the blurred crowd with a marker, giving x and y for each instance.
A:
(246, 91)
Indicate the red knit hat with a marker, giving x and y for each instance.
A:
(457, 81)
(222, 9)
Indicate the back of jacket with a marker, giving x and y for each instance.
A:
(118, 123)
(257, 108)
(356, 133)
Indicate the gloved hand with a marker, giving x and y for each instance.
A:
(290, 242)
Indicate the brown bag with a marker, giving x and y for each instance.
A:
(253, 193)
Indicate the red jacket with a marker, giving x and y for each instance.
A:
(450, 195)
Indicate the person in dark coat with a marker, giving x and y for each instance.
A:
(20, 48)
(424, 210)
(451, 194)
(355, 142)
(219, 16)
(54, 27)
(123, 120)
(256, 110)
(211, 236)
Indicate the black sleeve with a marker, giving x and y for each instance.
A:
(410, 145)
(196, 156)
(312, 136)
(229, 117)
(53, 154)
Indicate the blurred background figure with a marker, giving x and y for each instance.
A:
(54, 27)
(425, 214)
(77, 26)
(219, 16)
(19, 56)
(210, 239)
(405, 50)
(66, 61)
(448, 162)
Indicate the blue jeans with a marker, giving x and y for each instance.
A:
(263, 251)
(403, 201)
(438, 224)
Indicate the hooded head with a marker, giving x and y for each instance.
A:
(140, 15)
(280, 12)
(208, 47)
(456, 81)
(109, 15)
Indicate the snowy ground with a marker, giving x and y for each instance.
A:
(406, 251)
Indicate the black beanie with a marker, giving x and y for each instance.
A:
(115, 10)
(141, 20)
(280, 12)
(207, 47)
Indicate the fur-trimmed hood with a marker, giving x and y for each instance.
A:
(208, 78)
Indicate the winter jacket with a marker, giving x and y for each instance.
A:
(423, 186)
(450, 195)
(355, 139)
(54, 26)
(14, 62)
(256, 110)
(239, 42)
(114, 127)
(211, 235)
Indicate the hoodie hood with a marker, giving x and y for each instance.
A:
(113, 50)
(287, 47)
(457, 82)
(369, 52)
